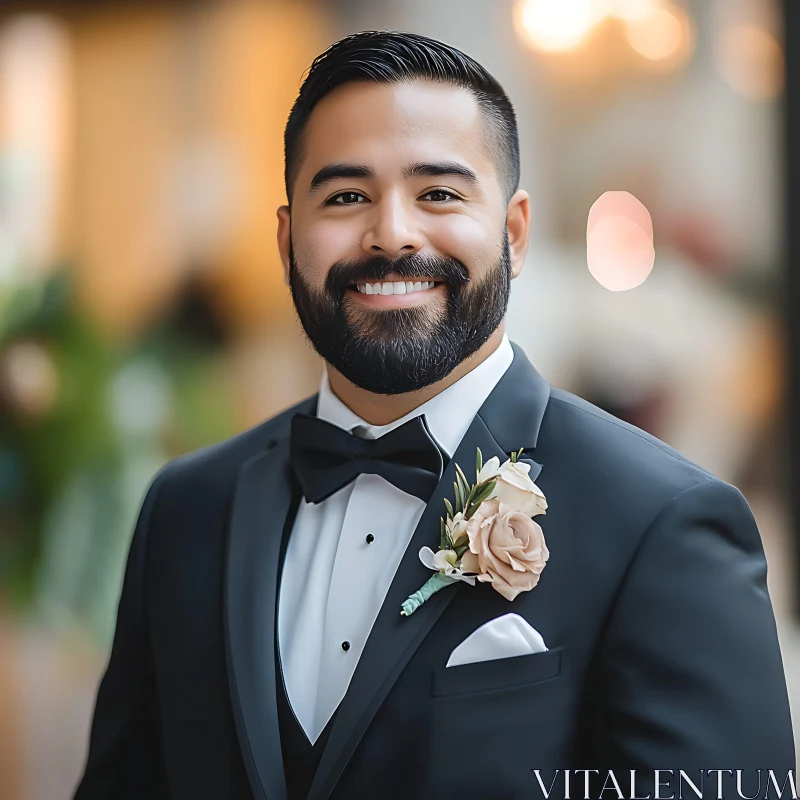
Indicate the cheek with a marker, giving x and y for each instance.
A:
(319, 246)
(468, 240)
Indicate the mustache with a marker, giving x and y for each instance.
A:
(376, 268)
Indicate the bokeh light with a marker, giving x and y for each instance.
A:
(35, 112)
(556, 26)
(630, 9)
(619, 241)
(751, 61)
(661, 32)
(28, 378)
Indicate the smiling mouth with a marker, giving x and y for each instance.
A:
(394, 287)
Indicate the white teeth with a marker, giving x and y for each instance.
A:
(394, 287)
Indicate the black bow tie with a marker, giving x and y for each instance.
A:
(325, 458)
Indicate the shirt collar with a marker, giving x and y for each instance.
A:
(448, 413)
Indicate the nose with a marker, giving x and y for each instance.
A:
(393, 230)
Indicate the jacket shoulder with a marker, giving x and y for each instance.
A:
(617, 453)
(625, 481)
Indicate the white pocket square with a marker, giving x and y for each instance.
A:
(501, 637)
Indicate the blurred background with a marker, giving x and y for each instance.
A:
(143, 312)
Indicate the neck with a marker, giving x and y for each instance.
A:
(381, 409)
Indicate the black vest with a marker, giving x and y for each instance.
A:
(300, 757)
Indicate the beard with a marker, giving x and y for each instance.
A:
(401, 350)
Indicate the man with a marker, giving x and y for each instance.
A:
(260, 650)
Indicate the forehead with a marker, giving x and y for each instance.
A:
(387, 125)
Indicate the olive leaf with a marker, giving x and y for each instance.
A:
(462, 548)
(482, 492)
(459, 497)
(461, 476)
(449, 506)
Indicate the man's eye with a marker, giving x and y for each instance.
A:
(346, 199)
(441, 196)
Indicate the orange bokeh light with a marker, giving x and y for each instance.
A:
(662, 33)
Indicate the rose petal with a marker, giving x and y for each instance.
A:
(489, 469)
(469, 563)
(506, 548)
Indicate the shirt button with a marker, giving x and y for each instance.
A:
(370, 538)
(345, 646)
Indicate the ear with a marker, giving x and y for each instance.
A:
(518, 223)
(284, 238)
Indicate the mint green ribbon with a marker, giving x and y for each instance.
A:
(437, 581)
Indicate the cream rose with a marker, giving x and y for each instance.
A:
(514, 486)
(506, 548)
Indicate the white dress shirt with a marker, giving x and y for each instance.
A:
(334, 582)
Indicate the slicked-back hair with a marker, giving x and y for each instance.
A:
(397, 57)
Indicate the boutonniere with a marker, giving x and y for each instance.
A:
(489, 533)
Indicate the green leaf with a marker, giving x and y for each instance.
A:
(478, 462)
(449, 507)
(462, 548)
(443, 536)
(467, 495)
(485, 491)
(481, 494)
(461, 476)
(468, 498)
(459, 497)
(464, 489)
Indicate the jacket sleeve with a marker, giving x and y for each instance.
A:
(690, 671)
(125, 756)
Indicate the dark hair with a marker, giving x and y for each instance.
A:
(395, 57)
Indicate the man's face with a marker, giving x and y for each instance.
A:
(397, 248)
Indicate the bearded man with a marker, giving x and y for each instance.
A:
(600, 601)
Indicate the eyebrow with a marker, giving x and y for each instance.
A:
(438, 169)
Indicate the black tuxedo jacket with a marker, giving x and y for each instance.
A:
(663, 648)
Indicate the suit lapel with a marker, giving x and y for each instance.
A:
(509, 419)
(261, 501)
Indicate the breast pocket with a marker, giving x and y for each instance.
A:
(498, 673)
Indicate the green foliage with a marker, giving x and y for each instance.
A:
(76, 448)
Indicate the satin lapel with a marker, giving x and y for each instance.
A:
(394, 638)
(261, 502)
